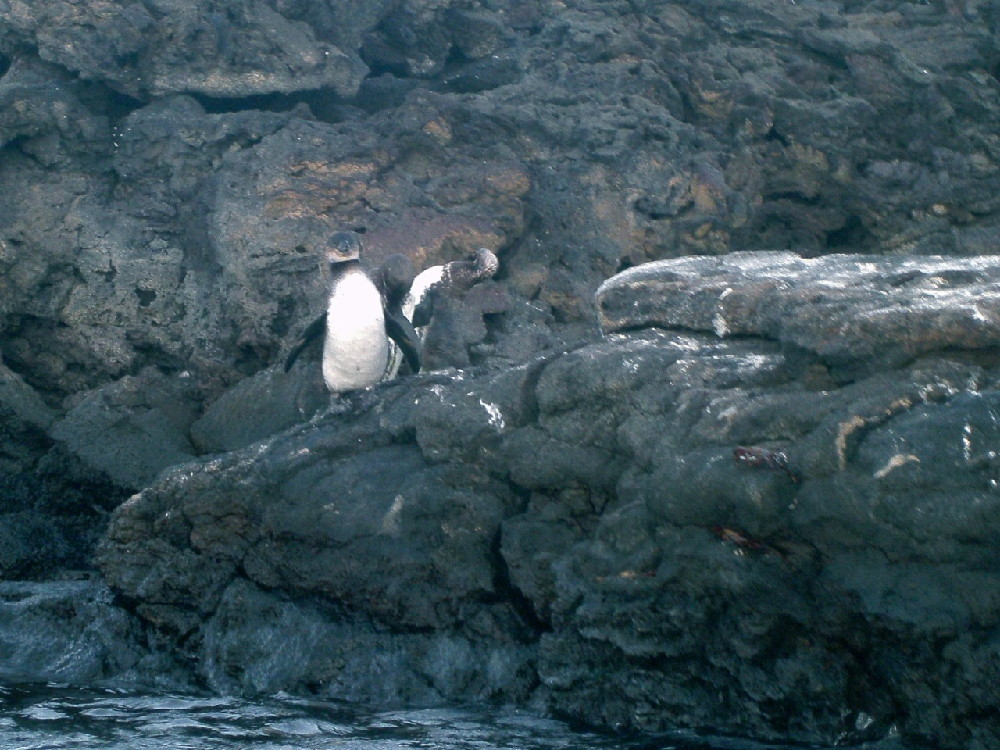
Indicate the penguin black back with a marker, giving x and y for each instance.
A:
(395, 277)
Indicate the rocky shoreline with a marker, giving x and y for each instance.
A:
(576, 532)
(751, 485)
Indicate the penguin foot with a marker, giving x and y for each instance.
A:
(361, 401)
(339, 404)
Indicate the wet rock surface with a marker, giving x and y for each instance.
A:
(171, 173)
(71, 632)
(850, 312)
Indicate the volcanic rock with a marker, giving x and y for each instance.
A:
(586, 524)
(171, 174)
(71, 632)
(843, 309)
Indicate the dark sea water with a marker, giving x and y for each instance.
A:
(60, 718)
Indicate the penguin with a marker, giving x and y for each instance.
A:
(450, 279)
(414, 293)
(433, 294)
(394, 279)
(362, 314)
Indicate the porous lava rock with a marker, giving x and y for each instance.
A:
(223, 49)
(171, 173)
(583, 529)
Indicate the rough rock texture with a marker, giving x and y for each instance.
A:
(24, 420)
(172, 168)
(51, 517)
(168, 46)
(258, 407)
(852, 312)
(71, 632)
(578, 533)
(133, 429)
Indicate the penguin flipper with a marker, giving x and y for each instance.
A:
(400, 330)
(312, 331)
(424, 310)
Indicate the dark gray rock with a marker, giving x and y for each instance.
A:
(259, 642)
(216, 222)
(52, 512)
(584, 520)
(39, 104)
(394, 538)
(844, 309)
(133, 429)
(482, 75)
(165, 210)
(456, 327)
(259, 407)
(166, 47)
(170, 176)
(24, 422)
(71, 632)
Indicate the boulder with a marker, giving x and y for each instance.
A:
(844, 310)
(54, 505)
(25, 419)
(259, 407)
(133, 429)
(71, 632)
(665, 527)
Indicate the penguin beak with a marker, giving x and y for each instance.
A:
(343, 246)
(340, 253)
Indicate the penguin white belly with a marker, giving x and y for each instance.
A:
(356, 347)
(423, 281)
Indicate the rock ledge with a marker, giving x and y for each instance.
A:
(847, 309)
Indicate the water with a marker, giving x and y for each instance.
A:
(60, 718)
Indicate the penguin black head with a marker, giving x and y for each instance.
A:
(342, 247)
(486, 263)
(460, 275)
(395, 276)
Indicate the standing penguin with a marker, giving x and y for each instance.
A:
(420, 296)
(452, 278)
(446, 318)
(360, 318)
